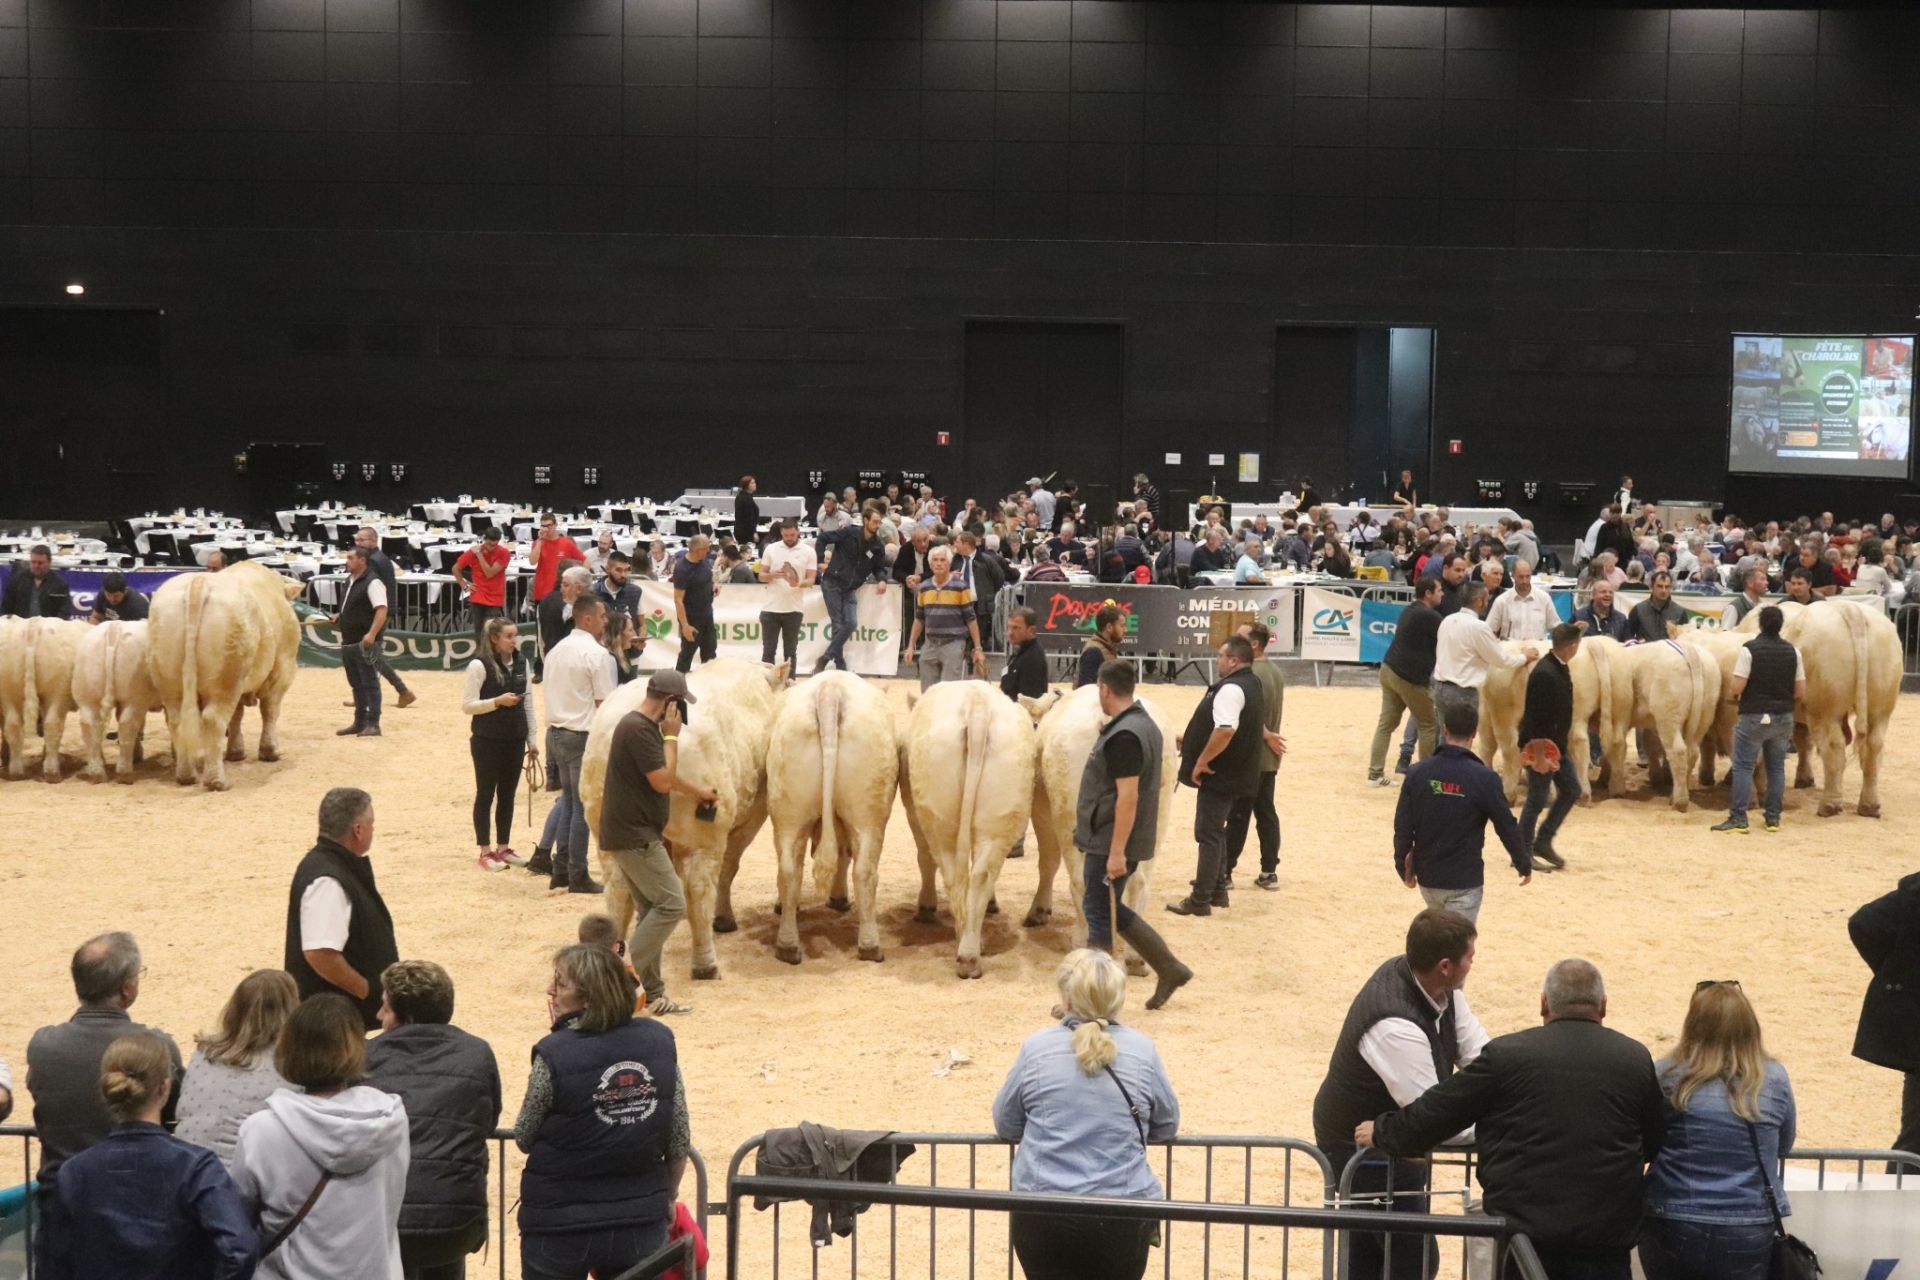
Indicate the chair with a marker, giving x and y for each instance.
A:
(303, 522)
(1371, 573)
(398, 549)
(160, 547)
(183, 549)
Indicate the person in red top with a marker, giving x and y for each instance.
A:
(484, 579)
(546, 554)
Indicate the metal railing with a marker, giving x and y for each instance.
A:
(1897, 1162)
(497, 1206)
(1448, 1157)
(972, 1162)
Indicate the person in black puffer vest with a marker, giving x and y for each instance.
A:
(339, 931)
(1768, 676)
(604, 1126)
(1220, 758)
(451, 1086)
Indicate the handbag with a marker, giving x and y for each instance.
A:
(1792, 1259)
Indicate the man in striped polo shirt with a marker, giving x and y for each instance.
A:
(944, 620)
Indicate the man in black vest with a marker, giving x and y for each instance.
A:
(1886, 933)
(1118, 823)
(368, 540)
(1220, 758)
(1768, 676)
(362, 617)
(339, 933)
(1408, 1029)
(1546, 721)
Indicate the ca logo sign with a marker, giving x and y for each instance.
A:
(1332, 622)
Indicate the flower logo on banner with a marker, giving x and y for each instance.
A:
(658, 625)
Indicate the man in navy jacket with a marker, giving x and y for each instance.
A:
(1440, 825)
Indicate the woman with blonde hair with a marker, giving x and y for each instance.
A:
(231, 1074)
(141, 1203)
(1713, 1193)
(1084, 1099)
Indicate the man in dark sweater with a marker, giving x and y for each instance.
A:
(1405, 674)
(1026, 673)
(852, 554)
(1220, 756)
(1544, 726)
(1886, 933)
(1650, 617)
(339, 932)
(1440, 825)
(1768, 676)
(1213, 555)
(1599, 618)
(1567, 1116)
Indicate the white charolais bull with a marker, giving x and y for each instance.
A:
(1503, 699)
(215, 643)
(832, 765)
(1671, 690)
(967, 784)
(36, 688)
(113, 689)
(1593, 710)
(1069, 726)
(1853, 660)
(723, 746)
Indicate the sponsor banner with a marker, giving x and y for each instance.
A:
(1704, 611)
(1159, 619)
(85, 583)
(1379, 619)
(1866, 1232)
(873, 651)
(1329, 625)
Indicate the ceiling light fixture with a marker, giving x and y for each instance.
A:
(76, 289)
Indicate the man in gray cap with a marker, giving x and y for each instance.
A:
(642, 775)
(1042, 501)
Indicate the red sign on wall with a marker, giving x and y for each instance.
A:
(1453, 446)
(943, 438)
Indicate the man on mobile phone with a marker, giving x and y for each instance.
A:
(642, 775)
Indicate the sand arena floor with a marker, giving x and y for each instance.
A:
(1649, 895)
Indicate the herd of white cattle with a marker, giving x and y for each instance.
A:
(214, 644)
(823, 759)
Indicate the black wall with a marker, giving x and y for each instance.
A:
(685, 239)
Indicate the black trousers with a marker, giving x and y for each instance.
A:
(778, 629)
(439, 1255)
(482, 614)
(1413, 1257)
(706, 639)
(1211, 812)
(1909, 1139)
(1063, 1248)
(496, 776)
(1258, 808)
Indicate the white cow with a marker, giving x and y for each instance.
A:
(215, 643)
(832, 764)
(1671, 689)
(723, 746)
(967, 770)
(1503, 699)
(114, 689)
(36, 688)
(1069, 726)
(1592, 671)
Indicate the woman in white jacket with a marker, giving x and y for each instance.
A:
(322, 1172)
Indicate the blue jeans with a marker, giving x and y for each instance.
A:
(1566, 786)
(566, 748)
(843, 616)
(575, 1255)
(1674, 1250)
(364, 681)
(1750, 740)
(1093, 904)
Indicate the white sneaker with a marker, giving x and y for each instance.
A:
(1382, 781)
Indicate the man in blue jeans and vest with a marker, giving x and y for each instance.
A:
(1768, 676)
(1118, 823)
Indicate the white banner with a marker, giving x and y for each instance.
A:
(1705, 611)
(1329, 626)
(1277, 608)
(874, 649)
(1859, 1234)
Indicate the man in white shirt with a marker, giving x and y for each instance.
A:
(1466, 650)
(579, 678)
(789, 567)
(339, 932)
(1042, 502)
(1409, 1025)
(1523, 613)
(362, 617)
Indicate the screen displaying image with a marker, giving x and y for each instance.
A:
(1821, 405)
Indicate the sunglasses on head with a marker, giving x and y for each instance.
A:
(1702, 985)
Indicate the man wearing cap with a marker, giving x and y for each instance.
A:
(642, 775)
(118, 601)
(1042, 501)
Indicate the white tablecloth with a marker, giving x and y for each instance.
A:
(771, 507)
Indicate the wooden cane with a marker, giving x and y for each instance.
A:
(1113, 919)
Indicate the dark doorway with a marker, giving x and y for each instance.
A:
(1352, 405)
(85, 398)
(1042, 400)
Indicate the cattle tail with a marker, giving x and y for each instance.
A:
(1862, 704)
(826, 849)
(976, 748)
(108, 705)
(187, 727)
(30, 685)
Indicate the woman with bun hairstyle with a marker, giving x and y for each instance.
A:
(1083, 1100)
(141, 1204)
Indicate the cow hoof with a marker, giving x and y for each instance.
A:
(1827, 809)
(216, 784)
(234, 757)
(1037, 917)
(872, 953)
(993, 906)
(124, 779)
(839, 904)
(927, 915)
(268, 755)
(1585, 801)
(50, 777)
(1136, 967)
(1869, 810)
(95, 778)
(1681, 806)
(966, 968)
(1802, 784)
(783, 953)
(705, 972)
(724, 924)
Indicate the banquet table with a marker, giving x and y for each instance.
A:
(771, 507)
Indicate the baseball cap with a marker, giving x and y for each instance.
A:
(670, 684)
(1035, 480)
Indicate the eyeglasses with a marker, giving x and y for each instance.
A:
(1704, 983)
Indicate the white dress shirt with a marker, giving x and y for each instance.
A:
(1228, 704)
(579, 676)
(1518, 617)
(783, 596)
(1399, 1054)
(1465, 650)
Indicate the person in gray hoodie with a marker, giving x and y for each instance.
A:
(323, 1172)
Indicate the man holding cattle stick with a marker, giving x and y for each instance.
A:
(1768, 676)
(642, 775)
(1220, 758)
(1118, 823)
(1544, 726)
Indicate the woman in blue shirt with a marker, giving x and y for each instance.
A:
(1708, 1216)
(1083, 1100)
